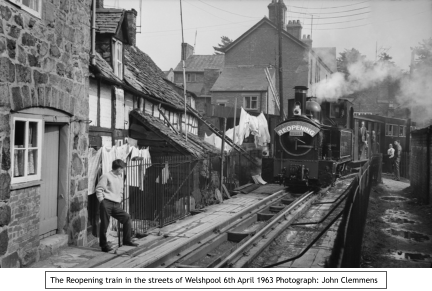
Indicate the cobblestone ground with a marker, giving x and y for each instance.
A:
(398, 230)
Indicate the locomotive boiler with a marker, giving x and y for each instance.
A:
(315, 143)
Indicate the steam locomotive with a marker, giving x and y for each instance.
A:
(315, 144)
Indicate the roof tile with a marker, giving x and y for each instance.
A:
(197, 63)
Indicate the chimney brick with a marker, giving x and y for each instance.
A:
(272, 7)
(131, 24)
(294, 28)
(187, 51)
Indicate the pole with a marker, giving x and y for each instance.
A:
(311, 25)
(184, 71)
(279, 18)
(222, 155)
(235, 121)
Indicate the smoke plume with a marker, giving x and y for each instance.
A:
(362, 75)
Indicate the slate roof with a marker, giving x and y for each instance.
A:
(195, 146)
(108, 20)
(197, 63)
(328, 56)
(242, 79)
(145, 76)
(105, 69)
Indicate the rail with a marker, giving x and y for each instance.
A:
(282, 215)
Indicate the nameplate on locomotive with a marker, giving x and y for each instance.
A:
(296, 127)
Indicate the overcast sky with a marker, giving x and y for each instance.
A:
(364, 25)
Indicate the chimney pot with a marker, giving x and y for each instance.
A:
(298, 21)
(308, 36)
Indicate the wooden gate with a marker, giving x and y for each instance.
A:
(49, 186)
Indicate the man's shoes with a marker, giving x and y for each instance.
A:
(107, 249)
(131, 244)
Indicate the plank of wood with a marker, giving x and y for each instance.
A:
(226, 191)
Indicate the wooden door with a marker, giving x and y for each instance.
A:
(49, 186)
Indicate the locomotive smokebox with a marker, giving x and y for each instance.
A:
(300, 99)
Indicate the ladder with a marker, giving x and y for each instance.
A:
(218, 133)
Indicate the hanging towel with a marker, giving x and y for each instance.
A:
(243, 126)
(108, 156)
(94, 162)
(209, 139)
(264, 135)
(122, 152)
(165, 174)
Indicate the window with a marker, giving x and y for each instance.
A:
(191, 77)
(402, 130)
(251, 102)
(33, 7)
(389, 129)
(118, 58)
(26, 149)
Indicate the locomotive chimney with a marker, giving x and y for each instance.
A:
(300, 99)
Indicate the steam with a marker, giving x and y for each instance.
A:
(362, 75)
(416, 94)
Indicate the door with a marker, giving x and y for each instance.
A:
(50, 176)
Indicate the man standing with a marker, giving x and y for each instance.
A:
(362, 141)
(397, 155)
(109, 192)
(390, 153)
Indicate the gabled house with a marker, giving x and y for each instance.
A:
(249, 55)
(201, 72)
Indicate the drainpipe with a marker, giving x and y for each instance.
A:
(93, 40)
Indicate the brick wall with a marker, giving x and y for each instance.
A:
(419, 164)
(43, 63)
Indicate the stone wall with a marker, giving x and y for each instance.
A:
(43, 63)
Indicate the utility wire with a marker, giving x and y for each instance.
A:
(326, 23)
(332, 16)
(332, 12)
(372, 23)
(207, 11)
(197, 27)
(224, 10)
(331, 7)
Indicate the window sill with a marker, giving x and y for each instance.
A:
(25, 185)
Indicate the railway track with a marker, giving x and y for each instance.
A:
(240, 243)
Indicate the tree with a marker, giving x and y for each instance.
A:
(347, 58)
(423, 54)
(225, 42)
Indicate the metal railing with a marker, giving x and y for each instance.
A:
(158, 191)
(348, 244)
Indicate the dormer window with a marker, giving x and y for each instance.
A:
(33, 7)
(118, 58)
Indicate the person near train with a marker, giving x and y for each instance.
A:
(397, 156)
(362, 141)
(109, 192)
(390, 153)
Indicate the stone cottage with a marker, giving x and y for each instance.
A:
(44, 60)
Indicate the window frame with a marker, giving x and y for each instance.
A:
(189, 77)
(403, 127)
(33, 12)
(389, 132)
(27, 178)
(118, 58)
(245, 102)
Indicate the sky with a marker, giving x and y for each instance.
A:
(368, 26)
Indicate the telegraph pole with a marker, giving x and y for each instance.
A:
(279, 24)
(184, 74)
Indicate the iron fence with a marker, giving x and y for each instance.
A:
(347, 248)
(158, 191)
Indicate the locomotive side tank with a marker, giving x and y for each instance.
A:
(314, 144)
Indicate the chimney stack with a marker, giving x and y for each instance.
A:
(300, 98)
(307, 40)
(294, 28)
(99, 3)
(187, 51)
(130, 17)
(273, 8)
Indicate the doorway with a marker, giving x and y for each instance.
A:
(50, 181)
